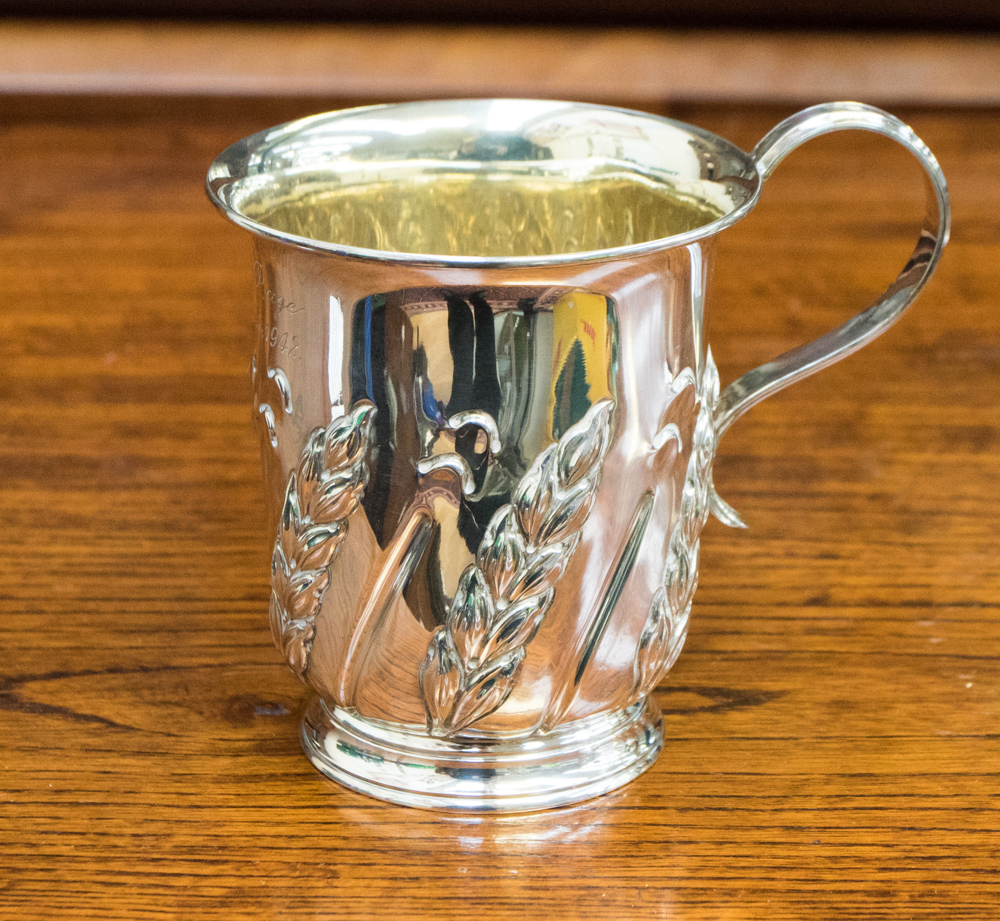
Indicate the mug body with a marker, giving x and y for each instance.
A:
(553, 409)
(487, 468)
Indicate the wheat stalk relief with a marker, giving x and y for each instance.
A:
(666, 624)
(474, 658)
(320, 496)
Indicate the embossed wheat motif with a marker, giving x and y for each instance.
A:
(666, 625)
(474, 658)
(321, 494)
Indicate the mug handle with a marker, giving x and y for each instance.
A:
(800, 362)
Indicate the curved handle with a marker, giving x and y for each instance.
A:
(761, 382)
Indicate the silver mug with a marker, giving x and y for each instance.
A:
(488, 417)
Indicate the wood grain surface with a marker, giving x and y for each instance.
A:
(833, 726)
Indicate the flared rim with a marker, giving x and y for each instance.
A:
(244, 159)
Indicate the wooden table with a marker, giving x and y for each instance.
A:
(833, 726)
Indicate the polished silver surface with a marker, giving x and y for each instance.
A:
(488, 417)
(267, 182)
(761, 382)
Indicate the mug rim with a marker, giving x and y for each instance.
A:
(235, 164)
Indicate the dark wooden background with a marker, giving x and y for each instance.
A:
(894, 15)
(832, 727)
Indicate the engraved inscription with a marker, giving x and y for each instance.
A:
(279, 304)
(280, 341)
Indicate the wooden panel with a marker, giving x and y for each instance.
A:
(832, 743)
(813, 14)
(647, 66)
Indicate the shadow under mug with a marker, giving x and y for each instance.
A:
(488, 417)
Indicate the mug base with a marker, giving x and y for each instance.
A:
(405, 766)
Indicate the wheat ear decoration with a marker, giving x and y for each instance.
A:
(666, 624)
(474, 658)
(321, 494)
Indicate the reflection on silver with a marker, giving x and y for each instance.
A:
(264, 410)
(454, 462)
(670, 430)
(487, 563)
(484, 421)
(284, 388)
(472, 418)
(270, 425)
(617, 579)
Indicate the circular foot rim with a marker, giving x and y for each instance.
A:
(568, 765)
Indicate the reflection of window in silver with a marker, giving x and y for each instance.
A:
(479, 382)
(475, 386)
(570, 391)
(369, 382)
(472, 340)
